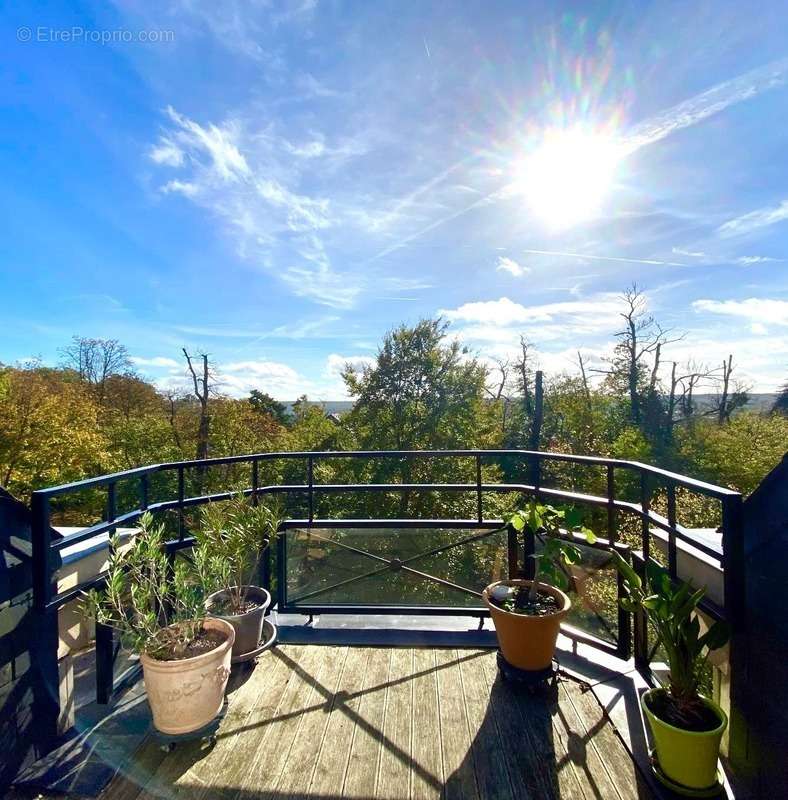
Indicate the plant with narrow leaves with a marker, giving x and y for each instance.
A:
(552, 526)
(672, 610)
(156, 607)
(230, 540)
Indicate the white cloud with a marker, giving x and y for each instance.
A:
(748, 261)
(281, 381)
(758, 329)
(156, 361)
(691, 253)
(220, 143)
(506, 312)
(760, 218)
(167, 152)
(759, 310)
(180, 187)
(509, 265)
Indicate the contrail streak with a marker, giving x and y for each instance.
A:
(652, 261)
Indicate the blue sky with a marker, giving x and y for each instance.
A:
(279, 184)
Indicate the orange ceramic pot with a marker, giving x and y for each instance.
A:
(527, 642)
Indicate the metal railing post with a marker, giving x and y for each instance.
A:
(645, 507)
(672, 554)
(640, 563)
(255, 481)
(513, 547)
(181, 497)
(144, 490)
(640, 621)
(310, 468)
(44, 645)
(529, 549)
(612, 534)
(479, 505)
(281, 577)
(104, 637)
(624, 642)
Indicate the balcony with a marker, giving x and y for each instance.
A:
(383, 681)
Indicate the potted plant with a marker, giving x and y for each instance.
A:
(527, 614)
(686, 727)
(231, 538)
(159, 614)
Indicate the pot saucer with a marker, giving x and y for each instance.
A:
(267, 641)
(717, 790)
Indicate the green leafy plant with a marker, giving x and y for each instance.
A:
(157, 610)
(551, 526)
(672, 611)
(232, 536)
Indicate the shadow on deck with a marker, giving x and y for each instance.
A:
(313, 721)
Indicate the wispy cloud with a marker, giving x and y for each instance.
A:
(249, 179)
(506, 264)
(748, 261)
(707, 104)
(679, 251)
(753, 220)
(594, 257)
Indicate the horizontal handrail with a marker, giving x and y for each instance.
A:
(540, 455)
(500, 488)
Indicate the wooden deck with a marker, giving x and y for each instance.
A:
(358, 722)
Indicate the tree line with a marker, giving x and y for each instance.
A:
(93, 413)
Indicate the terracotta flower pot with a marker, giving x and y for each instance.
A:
(248, 626)
(527, 642)
(185, 695)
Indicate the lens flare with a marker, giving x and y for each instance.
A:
(567, 178)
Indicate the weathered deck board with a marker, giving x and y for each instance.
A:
(311, 733)
(335, 722)
(331, 764)
(395, 761)
(459, 775)
(603, 737)
(362, 771)
(530, 766)
(427, 760)
(486, 745)
(588, 766)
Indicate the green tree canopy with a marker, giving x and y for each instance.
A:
(424, 391)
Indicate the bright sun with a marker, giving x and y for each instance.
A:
(566, 179)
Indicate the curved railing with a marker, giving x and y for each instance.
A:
(647, 478)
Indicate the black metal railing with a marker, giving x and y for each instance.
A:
(48, 600)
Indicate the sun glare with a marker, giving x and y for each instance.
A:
(567, 178)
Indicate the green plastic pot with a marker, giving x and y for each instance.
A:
(687, 758)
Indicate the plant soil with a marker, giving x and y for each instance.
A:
(204, 642)
(699, 719)
(541, 606)
(225, 608)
